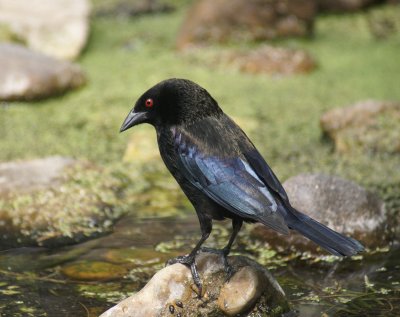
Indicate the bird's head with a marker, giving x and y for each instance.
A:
(172, 102)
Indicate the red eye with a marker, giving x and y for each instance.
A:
(149, 103)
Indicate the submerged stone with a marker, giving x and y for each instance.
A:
(93, 271)
(139, 256)
(171, 291)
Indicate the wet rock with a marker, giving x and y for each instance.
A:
(93, 271)
(55, 201)
(126, 9)
(211, 21)
(27, 75)
(339, 6)
(57, 28)
(171, 292)
(338, 203)
(367, 126)
(271, 60)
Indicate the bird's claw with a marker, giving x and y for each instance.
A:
(189, 261)
(182, 259)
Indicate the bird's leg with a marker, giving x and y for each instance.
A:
(189, 260)
(236, 226)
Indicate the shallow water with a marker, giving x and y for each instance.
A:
(86, 279)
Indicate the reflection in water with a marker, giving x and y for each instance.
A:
(64, 282)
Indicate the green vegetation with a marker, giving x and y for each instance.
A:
(125, 57)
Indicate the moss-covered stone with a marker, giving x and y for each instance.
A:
(82, 202)
(369, 126)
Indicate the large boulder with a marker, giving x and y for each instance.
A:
(28, 75)
(54, 201)
(338, 203)
(370, 125)
(226, 20)
(171, 292)
(58, 28)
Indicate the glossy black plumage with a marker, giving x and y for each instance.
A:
(219, 169)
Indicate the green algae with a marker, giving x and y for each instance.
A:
(93, 271)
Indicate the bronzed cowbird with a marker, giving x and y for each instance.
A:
(220, 170)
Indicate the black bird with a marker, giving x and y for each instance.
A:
(220, 170)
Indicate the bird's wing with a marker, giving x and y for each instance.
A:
(262, 169)
(228, 180)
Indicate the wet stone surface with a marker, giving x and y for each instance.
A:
(171, 291)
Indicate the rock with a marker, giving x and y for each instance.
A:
(129, 8)
(26, 75)
(171, 292)
(271, 60)
(58, 28)
(338, 203)
(210, 21)
(368, 126)
(339, 6)
(27, 176)
(93, 271)
(240, 293)
(54, 201)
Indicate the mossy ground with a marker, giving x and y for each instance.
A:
(125, 57)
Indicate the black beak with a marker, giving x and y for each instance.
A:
(133, 118)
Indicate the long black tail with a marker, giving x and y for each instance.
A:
(328, 239)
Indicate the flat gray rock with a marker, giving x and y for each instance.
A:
(28, 75)
(58, 28)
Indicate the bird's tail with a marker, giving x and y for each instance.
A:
(325, 237)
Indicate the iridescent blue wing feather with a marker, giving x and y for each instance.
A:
(230, 182)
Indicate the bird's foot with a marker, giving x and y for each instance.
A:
(224, 254)
(189, 261)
